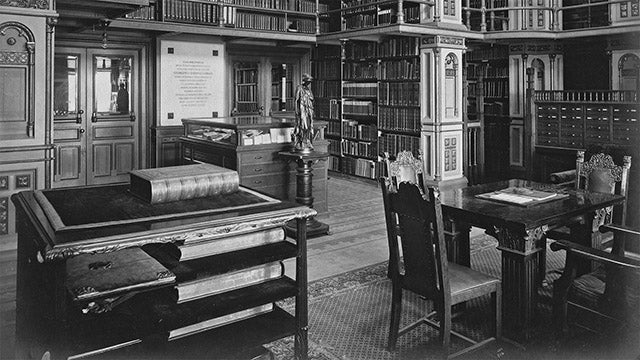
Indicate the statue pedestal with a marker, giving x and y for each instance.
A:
(303, 190)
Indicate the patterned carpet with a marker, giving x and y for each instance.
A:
(349, 319)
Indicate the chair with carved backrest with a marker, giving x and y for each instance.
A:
(423, 267)
(599, 174)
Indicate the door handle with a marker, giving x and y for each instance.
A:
(133, 116)
(94, 117)
(80, 131)
(79, 116)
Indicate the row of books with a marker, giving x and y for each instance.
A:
(326, 88)
(394, 143)
(334, 146)
(143, 13)
(495, 88)
(361, 167)
(327, 108)
(246, 76)
(399, 118)
(247, 93)
(411, 14)
(189, 11)
(399, 46)
(401, 93)
(400, 69)
(328, 69)
(359, 107)
(490, 53)
(363, 132)
(358, 21)
(333, 128)
(360, 50)
(360, 89)
(273, 23)
(360, 148)
(386, 16)
(360, 71)
(334, 162)
(486, 71)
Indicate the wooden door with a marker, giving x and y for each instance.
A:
(112, 129)
(69, 121)
(96, 130)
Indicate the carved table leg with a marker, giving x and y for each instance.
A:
(458, 243)
(522, 255)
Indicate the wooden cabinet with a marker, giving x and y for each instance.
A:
(164, 142)
(250, 145)
(123, 279)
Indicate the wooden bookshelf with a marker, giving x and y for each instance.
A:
(327, 90)
(398, 95)
(288, 16)
(487, 71)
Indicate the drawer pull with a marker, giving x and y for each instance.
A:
(257, 169)
(257, 181)
(257, 157)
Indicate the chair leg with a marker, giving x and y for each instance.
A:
(496, 299)
(396, 309)
(445, 328)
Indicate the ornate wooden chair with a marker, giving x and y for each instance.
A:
(599, 174)
(424, 268)
(609, 294)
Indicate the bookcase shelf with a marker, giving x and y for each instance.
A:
(288, 16)
(379, 101)
(487, 78)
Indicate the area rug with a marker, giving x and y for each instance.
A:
(349, 319)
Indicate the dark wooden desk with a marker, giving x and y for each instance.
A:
(521, 238)
(58, 227)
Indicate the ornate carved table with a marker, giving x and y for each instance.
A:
(520, 231)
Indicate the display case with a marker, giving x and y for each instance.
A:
(250, 145)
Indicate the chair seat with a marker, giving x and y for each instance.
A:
(467, 283)
(588, 289)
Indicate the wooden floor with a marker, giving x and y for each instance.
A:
(357, 239)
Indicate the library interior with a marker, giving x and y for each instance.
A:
(323, 179)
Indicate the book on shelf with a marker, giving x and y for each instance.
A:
(205, 285)
(205, 247)
(219, 321)
(182, 182)
(92, 276)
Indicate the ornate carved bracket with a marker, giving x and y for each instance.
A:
(525, 242)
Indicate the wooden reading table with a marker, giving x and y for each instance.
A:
(520, 231)
(101, 271)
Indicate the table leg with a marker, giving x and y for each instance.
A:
(301, 344)
(522, 257)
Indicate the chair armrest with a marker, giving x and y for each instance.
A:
(595, 254)
(564, 178)
(619, 228)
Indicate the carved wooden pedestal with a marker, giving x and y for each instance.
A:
(304, 185)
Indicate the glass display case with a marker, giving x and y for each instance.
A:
(240, 130)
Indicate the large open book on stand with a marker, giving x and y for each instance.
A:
(522, 196)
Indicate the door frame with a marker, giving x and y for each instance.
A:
(144, 78)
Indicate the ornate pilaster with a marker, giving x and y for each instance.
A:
(524, 242)
(48, 125)
(441, 110)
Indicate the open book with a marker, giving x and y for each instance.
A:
(521, 196)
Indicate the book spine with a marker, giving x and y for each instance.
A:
(207, 247)
(226, 282)
(193, 187)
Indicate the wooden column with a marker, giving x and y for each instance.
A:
(441, 111)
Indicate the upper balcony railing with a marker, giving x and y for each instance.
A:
(479, 15)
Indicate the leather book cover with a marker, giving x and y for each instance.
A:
(92, 276)
(183, 182)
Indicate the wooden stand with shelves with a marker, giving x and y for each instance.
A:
(133, 267)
